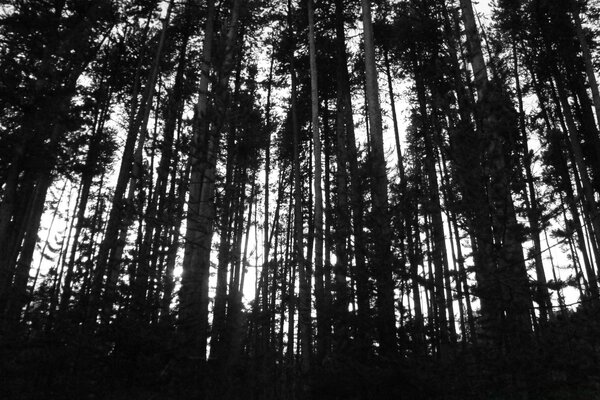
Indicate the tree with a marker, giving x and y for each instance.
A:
(383, 256)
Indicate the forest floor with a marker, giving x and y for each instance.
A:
(561, 362)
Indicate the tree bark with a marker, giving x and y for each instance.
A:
(193, 297)
(533, 213)
(383, 256)
(304, 308)
(322, 330)
(504, 288)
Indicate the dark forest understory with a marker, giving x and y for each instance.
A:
(562, 364)
(302, 199)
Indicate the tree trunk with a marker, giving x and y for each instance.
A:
(264, 289)
(234, 189)
(155, 215)
(541, 292)
(304, 307)
(510, 315)
(434, 209)
(383, 256)
(322, 330)
(348, 146)
(193, 297)
(86, 184)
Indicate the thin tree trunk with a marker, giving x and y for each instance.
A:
(264, 289)
(322, 330)
(304, 318)
(541, 292)
(155, 215)
(82, 203)
(440, 258)
(233, 187)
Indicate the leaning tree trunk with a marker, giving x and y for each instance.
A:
(107, 264)
(587, 59)
(155, 210)
(86, 184)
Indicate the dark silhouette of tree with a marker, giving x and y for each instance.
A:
(302, 199)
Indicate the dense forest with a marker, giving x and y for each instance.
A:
(301, 199)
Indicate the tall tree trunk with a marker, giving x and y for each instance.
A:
(509, 316)
(347, 145)
(173, 239)
(234, 191)
(541, 293)
(193, 297)
(401, 172)
(462, 283)
(434, 209)
(201, 209)
(155, 215)
(322, 330)
(328, 237)
(264, 289)
(304, 308)
(382, 231)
